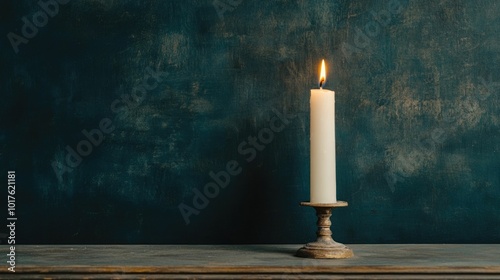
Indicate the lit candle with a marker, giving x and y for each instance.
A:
(323, 177)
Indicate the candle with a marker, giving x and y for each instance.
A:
(323, 177)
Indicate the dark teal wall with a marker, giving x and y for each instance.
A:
(176, 88)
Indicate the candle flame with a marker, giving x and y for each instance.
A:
(322, 76)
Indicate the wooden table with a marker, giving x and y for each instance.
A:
(251, 262)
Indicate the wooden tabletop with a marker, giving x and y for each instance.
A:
(251, 262)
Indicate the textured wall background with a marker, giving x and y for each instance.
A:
(417, 118)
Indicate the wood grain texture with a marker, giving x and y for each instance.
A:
(253, 262)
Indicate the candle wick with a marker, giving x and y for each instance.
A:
(321, 83)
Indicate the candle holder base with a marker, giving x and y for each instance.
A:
(324, 247)
(317, 250)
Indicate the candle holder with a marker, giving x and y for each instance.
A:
(324, 247)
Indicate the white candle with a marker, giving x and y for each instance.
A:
(323, 173)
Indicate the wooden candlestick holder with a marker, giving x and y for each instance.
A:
(324, 247)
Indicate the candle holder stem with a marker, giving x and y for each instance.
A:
(324, 247)
(324, 232)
